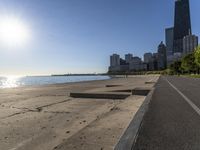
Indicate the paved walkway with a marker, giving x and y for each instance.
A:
(173, 119)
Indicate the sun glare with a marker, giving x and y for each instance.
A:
(13, 32)
(9, 82)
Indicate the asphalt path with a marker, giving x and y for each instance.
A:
(173, 119)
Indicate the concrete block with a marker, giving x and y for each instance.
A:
(125, 90)
(100, 95)
(150, 82)
(141, 91)
(112, 85)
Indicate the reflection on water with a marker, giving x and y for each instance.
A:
(9, 82)
(14, 81)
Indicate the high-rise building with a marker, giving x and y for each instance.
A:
(190, 42)
(118, 64)
(182, 24)
(153, 64)
(175, 57)
(147, 57)
(114, 60)
(136, 64)
(162, 58)
(128, 58)
(169, 39)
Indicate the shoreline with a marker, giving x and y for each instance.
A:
(53, 84)
(47, 118)
(74, 82)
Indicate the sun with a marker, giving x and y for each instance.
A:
(13, 32)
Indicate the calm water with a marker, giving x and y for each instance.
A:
(10, 82)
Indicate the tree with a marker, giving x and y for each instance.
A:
(188, 63)
(197, 57)
(176, 67)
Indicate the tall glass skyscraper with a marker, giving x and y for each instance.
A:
(182, 24)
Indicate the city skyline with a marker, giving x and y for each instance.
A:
(68, 36)
(179, 42)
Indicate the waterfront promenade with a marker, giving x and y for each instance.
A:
(173, 119)
(47, 118)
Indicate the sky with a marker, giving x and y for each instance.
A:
(78, 36)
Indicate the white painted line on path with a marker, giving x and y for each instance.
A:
(196, 109)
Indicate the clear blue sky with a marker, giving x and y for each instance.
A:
(78, 36)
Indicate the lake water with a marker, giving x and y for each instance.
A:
(11, 81)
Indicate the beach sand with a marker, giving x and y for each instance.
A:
(47, 118)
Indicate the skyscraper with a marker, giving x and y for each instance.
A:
(182, 24)
(162, 58)
(169, 39)
(190, 42)
(128, 58)
(114, 60)
(147, 57)
(136, 64)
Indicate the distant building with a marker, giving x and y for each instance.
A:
(174, 57)
(128, 58)
(169, 38)
(118, 64)
(182, 24)
(147, 57)
(124, 66)
(120, 68)
(136, 64)
(114, 60)
(153, 64)
(123, 62)
(162, 57)
(114, 63)
(190, 42)
(144, 66)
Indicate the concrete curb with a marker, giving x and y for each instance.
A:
(130, 135)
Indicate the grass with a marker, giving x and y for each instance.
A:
(192, 75)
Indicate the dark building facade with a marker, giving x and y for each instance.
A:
(169, 39)
(162, 57)
(182, 24)
(153, 64)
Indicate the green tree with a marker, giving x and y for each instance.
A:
(197, 57)
(176, 68)
(188, 63)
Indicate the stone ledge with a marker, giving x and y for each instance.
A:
(150, 82)
(112, 85)
(143, 91)
(100, 95)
